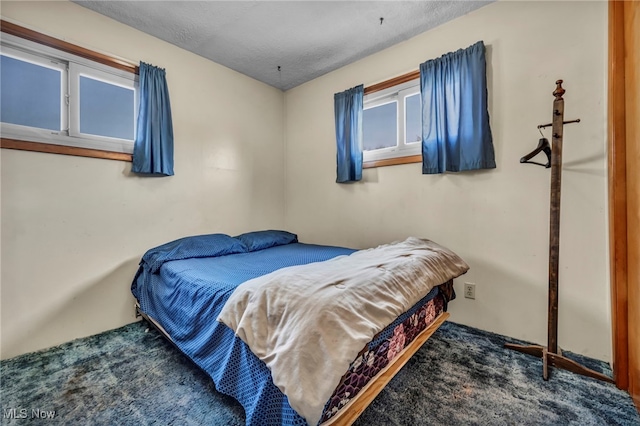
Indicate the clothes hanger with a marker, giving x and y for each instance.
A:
(544, 146)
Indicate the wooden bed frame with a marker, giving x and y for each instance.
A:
(356, 406)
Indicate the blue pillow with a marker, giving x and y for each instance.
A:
(211, 245)
(259, 240)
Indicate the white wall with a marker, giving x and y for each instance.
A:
(497, 220)
(74, 229)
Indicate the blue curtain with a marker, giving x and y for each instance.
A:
(349, 111)
(455, 122)
(153, 148)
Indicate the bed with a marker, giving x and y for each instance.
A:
(188, 289)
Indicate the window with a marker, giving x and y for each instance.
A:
(51, 96)
(392, 124)
(31, 91)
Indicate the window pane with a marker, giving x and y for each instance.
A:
(106, 109)
(413, 123)
(380, 126)
(30, 94)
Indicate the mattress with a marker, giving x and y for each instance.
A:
(185, 297)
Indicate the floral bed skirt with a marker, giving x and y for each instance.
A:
(384, 348)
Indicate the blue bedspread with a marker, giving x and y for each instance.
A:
(185, 297)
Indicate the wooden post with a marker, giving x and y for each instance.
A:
(554, 224)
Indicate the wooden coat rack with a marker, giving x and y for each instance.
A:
(551, 354)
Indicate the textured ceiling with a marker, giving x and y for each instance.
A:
(306, 39)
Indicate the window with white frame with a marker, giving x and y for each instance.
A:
(54, 97)
(392, 123)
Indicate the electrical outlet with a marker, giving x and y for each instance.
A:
(470, 290)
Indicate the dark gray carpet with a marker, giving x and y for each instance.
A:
(461, 376)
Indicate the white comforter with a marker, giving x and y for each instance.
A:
(308, 322)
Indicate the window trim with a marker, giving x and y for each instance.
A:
(107, 63)
(40, 38)
(378, 87)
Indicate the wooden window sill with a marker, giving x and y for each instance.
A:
(392, 161)
(64, 150)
